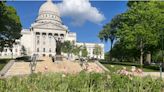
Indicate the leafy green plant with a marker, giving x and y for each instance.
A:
(82, 82)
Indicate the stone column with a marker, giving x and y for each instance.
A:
(40, 44)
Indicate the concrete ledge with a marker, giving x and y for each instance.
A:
(6, 67)
(100, 65)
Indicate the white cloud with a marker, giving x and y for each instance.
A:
(80, 11)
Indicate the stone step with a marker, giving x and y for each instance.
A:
(66, 66)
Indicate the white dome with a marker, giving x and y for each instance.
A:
(49, 7)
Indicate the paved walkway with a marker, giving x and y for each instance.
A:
(153, 74)
(46, 65)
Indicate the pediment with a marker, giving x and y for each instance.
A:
(49, 26)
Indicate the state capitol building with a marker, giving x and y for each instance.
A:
(40, 37)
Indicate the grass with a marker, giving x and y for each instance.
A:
(119, 65)
(3, 62)
(83, 82)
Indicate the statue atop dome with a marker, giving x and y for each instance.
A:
(49, 0)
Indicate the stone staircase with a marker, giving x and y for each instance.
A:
(46, 65)
(19, 68)
(64, 66)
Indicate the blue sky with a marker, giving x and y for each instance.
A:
(87, 31)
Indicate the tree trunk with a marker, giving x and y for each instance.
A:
(110, 54)
(141, 51)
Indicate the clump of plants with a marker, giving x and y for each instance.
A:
(82, 82)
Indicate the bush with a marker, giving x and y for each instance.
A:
(83, 82)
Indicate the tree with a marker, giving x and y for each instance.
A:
(76, 50)
(67, 47)
(10, 27)
(139, 26)
(97, 50)
(121, 53)
(84, 51)
(109, 33)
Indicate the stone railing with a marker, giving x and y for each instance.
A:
(100, 65)
(6, 67)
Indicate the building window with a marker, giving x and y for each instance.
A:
(44, 49)
(50, 50)
(16, 50)
(44, 43)
(37, 49)
(37, 41)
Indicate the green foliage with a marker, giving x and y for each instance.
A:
(138, 29)
(84, 51)
(108, 33)
(97, 50)
(121, 53)
(67, 47)
(10, 26)
(83, 82)
(158, 56)
(76, 50)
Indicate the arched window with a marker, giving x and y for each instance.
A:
(56, 34)
(37, 33)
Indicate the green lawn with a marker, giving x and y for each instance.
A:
(119, 65)
(3, 62)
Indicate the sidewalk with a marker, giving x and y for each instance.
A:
(153, 74)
